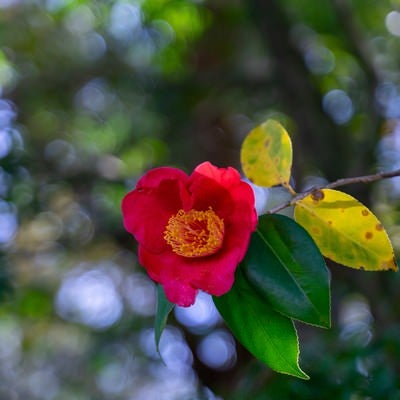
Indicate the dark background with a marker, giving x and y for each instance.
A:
(93, 94)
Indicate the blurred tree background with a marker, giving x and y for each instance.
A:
(93, 94)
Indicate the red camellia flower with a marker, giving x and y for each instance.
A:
(192, 230)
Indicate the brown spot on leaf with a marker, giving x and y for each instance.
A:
(317, 195)
(390, 264)
(361, 267)
(267, 143)
(330, 222)
(315, 230)
(364, 212)
(379, 227)
(386, 265)
(368, 235)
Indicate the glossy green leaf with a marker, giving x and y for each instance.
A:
(345, 230)
(266, 155)
(286, 267)
(164, 307)
(268, 335)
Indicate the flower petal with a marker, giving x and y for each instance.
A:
(160, 194)
(180, 293)
(223, 190)
(214, 274)
(226, 177)
(146, 210)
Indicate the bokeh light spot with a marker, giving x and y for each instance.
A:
(7, 113)
(8, 223)
(89, 297)
(80, 20)
(392, 22)
(140, 293)
(217, 350)
(201, 316)
(338, 105)
(355, 319)
(319, 60)
(125, 21)
(5, 143)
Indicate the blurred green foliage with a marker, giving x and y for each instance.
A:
(92, 94)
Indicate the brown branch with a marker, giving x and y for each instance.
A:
(340, 182)
(363, 179)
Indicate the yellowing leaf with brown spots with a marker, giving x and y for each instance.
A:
(266, 155)
(345, 230)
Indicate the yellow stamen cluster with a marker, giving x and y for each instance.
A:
(195, 233)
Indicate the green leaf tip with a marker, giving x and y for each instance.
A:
(164, 307)
(268, 335)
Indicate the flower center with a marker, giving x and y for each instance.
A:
(195, 233)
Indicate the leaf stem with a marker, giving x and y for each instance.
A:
(340, 182)
(289, 188)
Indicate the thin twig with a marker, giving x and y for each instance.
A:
(364, 179)
(340, 182)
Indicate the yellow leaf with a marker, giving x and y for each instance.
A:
(345, 230)
(266, 155)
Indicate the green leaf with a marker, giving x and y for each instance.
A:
(345, 230)
(164, 307)
(268, 335)
(285, 266)
(266, 155)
